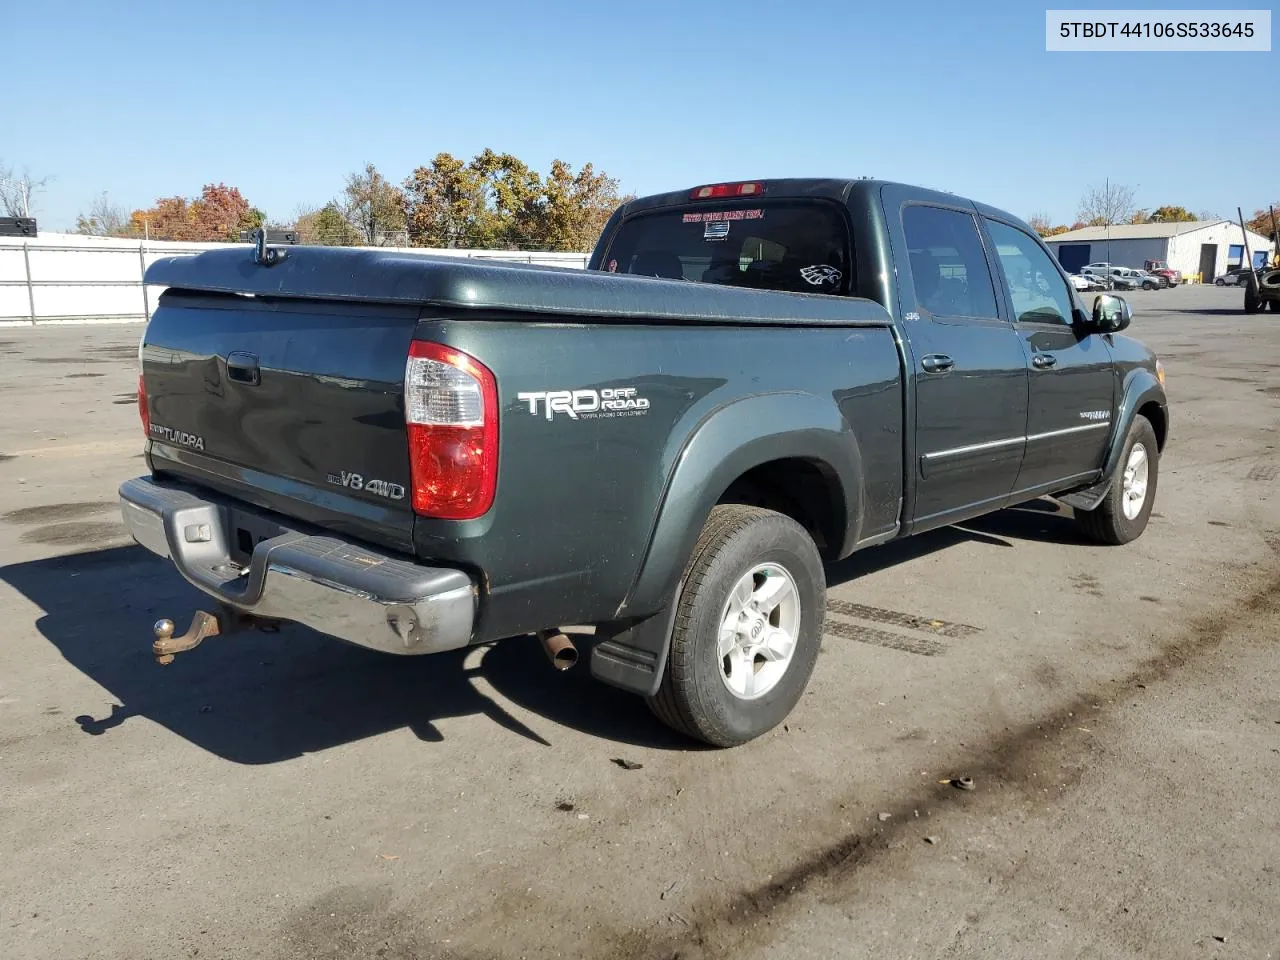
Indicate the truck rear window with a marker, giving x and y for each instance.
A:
(794, 245)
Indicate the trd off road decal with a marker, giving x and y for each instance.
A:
(586, 404)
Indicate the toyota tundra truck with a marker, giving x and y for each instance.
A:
(749, 381)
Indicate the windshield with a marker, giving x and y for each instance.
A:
(794, 245)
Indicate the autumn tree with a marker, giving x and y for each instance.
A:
(375, 207)
(1107, 204)
(1041, 224)
(576, 206)
(1261, 222)
(1140, 216)
(219, 213)
(1172, 215)
(104, 219)
(447, 205)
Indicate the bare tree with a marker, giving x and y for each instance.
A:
(104, 219)
(1107, 204)
(16, 190)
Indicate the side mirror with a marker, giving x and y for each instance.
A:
(1111, 314)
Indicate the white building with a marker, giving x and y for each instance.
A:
(1205, 247)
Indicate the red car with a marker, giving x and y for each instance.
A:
(1161, 269)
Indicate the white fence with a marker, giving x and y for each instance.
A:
(67, 278)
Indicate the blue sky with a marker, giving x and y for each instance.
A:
(282, 98)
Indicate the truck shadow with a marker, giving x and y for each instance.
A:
(257, 698)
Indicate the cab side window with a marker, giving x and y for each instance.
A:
(948, 266)
(1036, 289)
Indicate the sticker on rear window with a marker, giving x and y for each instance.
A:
(723, 215)
(716, 230)
(820, 274)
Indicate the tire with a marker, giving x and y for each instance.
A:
(697, 694)
(1219, 282)
(1109, 522)
(1148, 285)
(1252, 303)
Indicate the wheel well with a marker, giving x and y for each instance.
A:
(1155, 413)
(807, 491)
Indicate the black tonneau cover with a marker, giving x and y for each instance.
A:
(335, 273)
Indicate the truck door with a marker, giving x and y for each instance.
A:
(1072, 383)
(968, 368)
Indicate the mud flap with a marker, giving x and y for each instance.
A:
(635, 654)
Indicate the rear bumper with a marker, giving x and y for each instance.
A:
(335, 587)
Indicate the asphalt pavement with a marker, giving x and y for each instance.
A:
(287, 796)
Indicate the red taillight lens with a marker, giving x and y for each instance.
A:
(727, 190)
(451, 410)
(143, 412)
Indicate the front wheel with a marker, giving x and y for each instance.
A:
(1219, 282)
(1252, 302)
(1122, 515)
(747, 628)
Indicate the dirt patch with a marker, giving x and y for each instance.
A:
(1270, 391)
(118, 353)
(6, 456)
(73, 376)
(75, 534)
(56, 512)
(64, 360)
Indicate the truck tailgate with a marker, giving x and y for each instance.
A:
(293, 405)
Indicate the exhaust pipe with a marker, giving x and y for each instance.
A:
(559, 648)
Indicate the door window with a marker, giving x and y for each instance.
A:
(948, 266)
(1035, 287)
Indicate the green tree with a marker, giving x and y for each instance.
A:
(1172, 215)
(375, 207)
(447, 205)
(326, 227)
(576, 206)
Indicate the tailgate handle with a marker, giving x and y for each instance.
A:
(243, 368)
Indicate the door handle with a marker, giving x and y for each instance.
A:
(1043, 361)
(937, 363)
(243, 368)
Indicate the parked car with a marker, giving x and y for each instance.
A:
(1122, 278)
(1234, 277)
(1161, 268)
(1087, 283)
(1152, 281)
(419, 453)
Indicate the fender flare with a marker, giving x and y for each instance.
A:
(725, 444)
(1140, 388)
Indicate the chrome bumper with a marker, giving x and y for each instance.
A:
(332, 586)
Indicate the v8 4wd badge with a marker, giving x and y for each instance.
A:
(356, 481)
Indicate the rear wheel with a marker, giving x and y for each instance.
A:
(1123, 514)
(747, 628)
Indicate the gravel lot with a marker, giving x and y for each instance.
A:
(287, 796)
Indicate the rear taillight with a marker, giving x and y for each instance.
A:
(451, 409)
(143, 412)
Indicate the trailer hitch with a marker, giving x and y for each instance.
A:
(167, 646)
